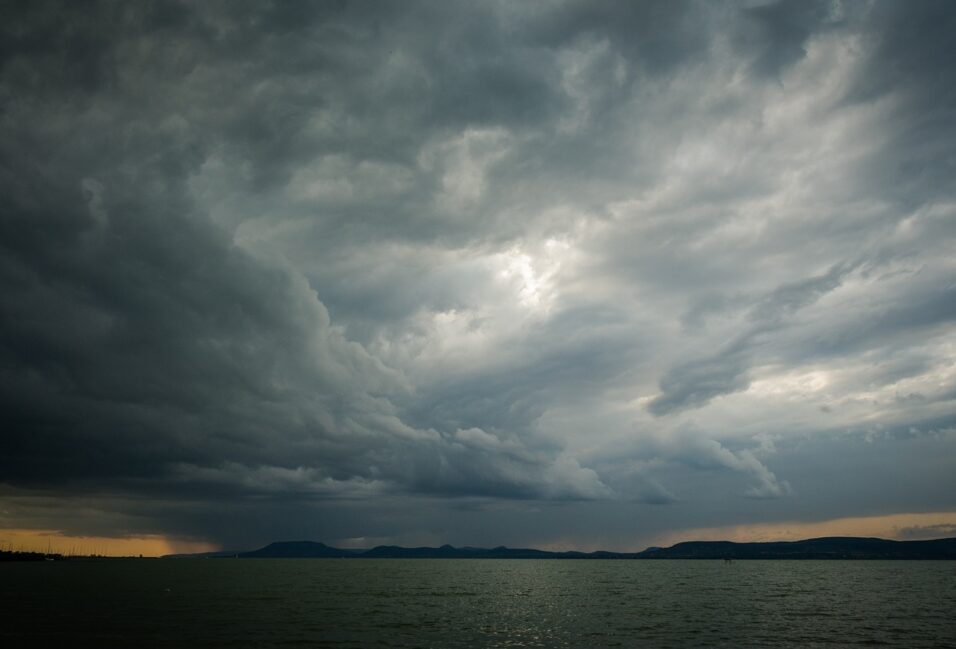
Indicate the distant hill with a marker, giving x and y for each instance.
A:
(296, 550)
(835, 547)
(500, 552)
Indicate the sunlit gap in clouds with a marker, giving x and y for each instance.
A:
(532, 273)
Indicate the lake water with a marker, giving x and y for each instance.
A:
(477, 603)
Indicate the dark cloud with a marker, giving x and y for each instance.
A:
(928, 531)
(635, 264)
(778, 32)
(695, 383)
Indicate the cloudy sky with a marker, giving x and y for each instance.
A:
(562, 274)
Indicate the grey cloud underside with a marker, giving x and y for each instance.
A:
(340, 257)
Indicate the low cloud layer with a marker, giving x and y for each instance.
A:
(576, 272)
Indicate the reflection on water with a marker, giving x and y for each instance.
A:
(478, 603)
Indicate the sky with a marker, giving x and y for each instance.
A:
(560, 274)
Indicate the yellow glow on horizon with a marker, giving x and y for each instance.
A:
(56, 542)
(891, 526)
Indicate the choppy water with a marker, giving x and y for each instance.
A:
(477, 603)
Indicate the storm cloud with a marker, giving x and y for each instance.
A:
(563, 272)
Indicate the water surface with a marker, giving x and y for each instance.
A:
(477, 603)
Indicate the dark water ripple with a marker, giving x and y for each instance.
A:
(478, 603)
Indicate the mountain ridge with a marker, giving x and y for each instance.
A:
(828, 547)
